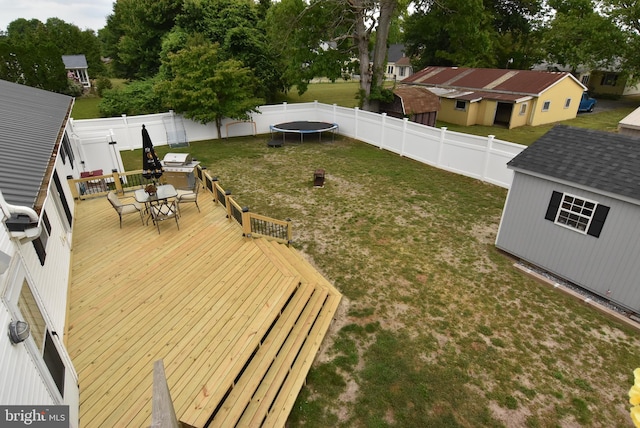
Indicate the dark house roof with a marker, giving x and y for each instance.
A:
(600, 160)
(489, 80)
(32, 121)
(74, 61)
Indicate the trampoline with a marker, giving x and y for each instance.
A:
(303, 127)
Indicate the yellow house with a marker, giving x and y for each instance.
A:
(509, 98)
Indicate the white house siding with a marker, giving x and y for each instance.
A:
(607, 265)
(21, 381)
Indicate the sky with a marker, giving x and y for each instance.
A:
(85, 14)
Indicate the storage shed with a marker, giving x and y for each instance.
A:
(573, 209)
(417, 103)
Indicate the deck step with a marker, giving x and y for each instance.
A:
(271, 385)
(245, 387)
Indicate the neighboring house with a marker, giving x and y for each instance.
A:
(599, 82)
(630, 124)
(416, 103)
(77, 69)
(602, 82)
(573, 209)
(398, 65)
(509, 98)
(36, 209)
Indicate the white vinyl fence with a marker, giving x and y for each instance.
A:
(483, 158)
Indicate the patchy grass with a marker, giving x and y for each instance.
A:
(437, 328)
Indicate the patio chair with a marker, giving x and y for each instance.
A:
(188, 195)
(163, 210)
(128, 208)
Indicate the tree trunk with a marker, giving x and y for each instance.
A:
(361, 40)
(387, 9)
(372, 76)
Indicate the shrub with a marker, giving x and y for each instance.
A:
(101, 84)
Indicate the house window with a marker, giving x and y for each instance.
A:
(523, 109)
(579, 214)
(31, 313)
(609, 79)
(390, 69)
(461, 105)
(401, 71)
(585, 79)
(546, 106)
(567, 103)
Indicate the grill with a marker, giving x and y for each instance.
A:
(179, 169)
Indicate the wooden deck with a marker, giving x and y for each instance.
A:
(237, 321)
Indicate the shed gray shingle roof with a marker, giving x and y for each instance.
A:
(31, 120)
(600, 160)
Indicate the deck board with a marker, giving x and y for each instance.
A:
(200, 298)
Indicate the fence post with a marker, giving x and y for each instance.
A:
(246, 222)
(487, 156)
(117, 182)
(443, 131)
(384, 124)
(405, 121)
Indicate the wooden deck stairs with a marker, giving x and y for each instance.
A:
(262, 390)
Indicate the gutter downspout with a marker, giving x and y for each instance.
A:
(27, 235)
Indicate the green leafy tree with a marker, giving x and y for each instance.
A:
(626, 14)
(133, 35)
(578, 36)
(327, 38)
(237, 27)
(204, 87)
(28, 57)
(475, 33)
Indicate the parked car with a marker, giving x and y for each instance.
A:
(586, 103)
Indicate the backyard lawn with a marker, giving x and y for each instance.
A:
(436, 329)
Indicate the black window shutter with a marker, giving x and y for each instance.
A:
(598, 220)
(38, 245)
(554, 204)
(54, 363)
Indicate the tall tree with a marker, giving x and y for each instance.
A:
(626, 14)
(205, 88)
(328, 34)
(133, 35)
(31, 55)
(238, 29)
(579, 36)
(451, 32)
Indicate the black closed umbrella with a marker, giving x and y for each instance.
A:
(151, 166)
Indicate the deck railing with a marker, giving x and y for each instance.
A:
(100, 185)
(253, 225)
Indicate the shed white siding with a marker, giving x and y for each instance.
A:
(608, 265)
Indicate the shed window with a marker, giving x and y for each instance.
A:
(461, 105)
(523, 109)
(567, 103)
(546, 106)
(579, 214)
